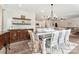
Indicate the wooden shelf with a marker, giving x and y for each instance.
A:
(21, 23)
(20, 18)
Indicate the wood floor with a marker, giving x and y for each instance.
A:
(75, 39)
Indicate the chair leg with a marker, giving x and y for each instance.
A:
(57, 46)
(67, 44)
(44, 48)
(51, 49)
(62, 50)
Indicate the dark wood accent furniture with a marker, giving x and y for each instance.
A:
(4, 39)
(18, 35)
(1, 41)
(14, 35)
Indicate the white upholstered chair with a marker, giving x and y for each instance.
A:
(61, 40)
(68, 31)
(62, 37)
(54, 40)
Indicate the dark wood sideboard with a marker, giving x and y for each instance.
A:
(4, 39)
(18, 35)
(14, 35)
(1, 41)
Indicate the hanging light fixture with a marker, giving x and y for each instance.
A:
(51, 11)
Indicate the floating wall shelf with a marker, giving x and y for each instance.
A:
(20, 18)
(21, 23)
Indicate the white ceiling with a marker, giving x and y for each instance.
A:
(60, 10)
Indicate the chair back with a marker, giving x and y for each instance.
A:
(62, 36)
(67, 35)
(55, 36)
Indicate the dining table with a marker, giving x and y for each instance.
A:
(44, 33)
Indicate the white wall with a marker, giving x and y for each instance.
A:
(60, 10)
(0, 20)
(10, 13)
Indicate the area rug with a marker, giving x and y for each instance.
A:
(19, 48)
(2, 51)
(63, 50)
(22, 48)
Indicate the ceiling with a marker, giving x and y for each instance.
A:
(60, 10)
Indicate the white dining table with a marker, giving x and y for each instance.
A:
(43, 40)
(46, 32)
(44, 29)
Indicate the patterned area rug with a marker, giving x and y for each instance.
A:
(2, 51)
(19, 48)
(22, 48)
(65, 50)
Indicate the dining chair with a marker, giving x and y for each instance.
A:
(67, 43)
(61, 40)
(62, 36)
(54, 40)
(34, 42)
